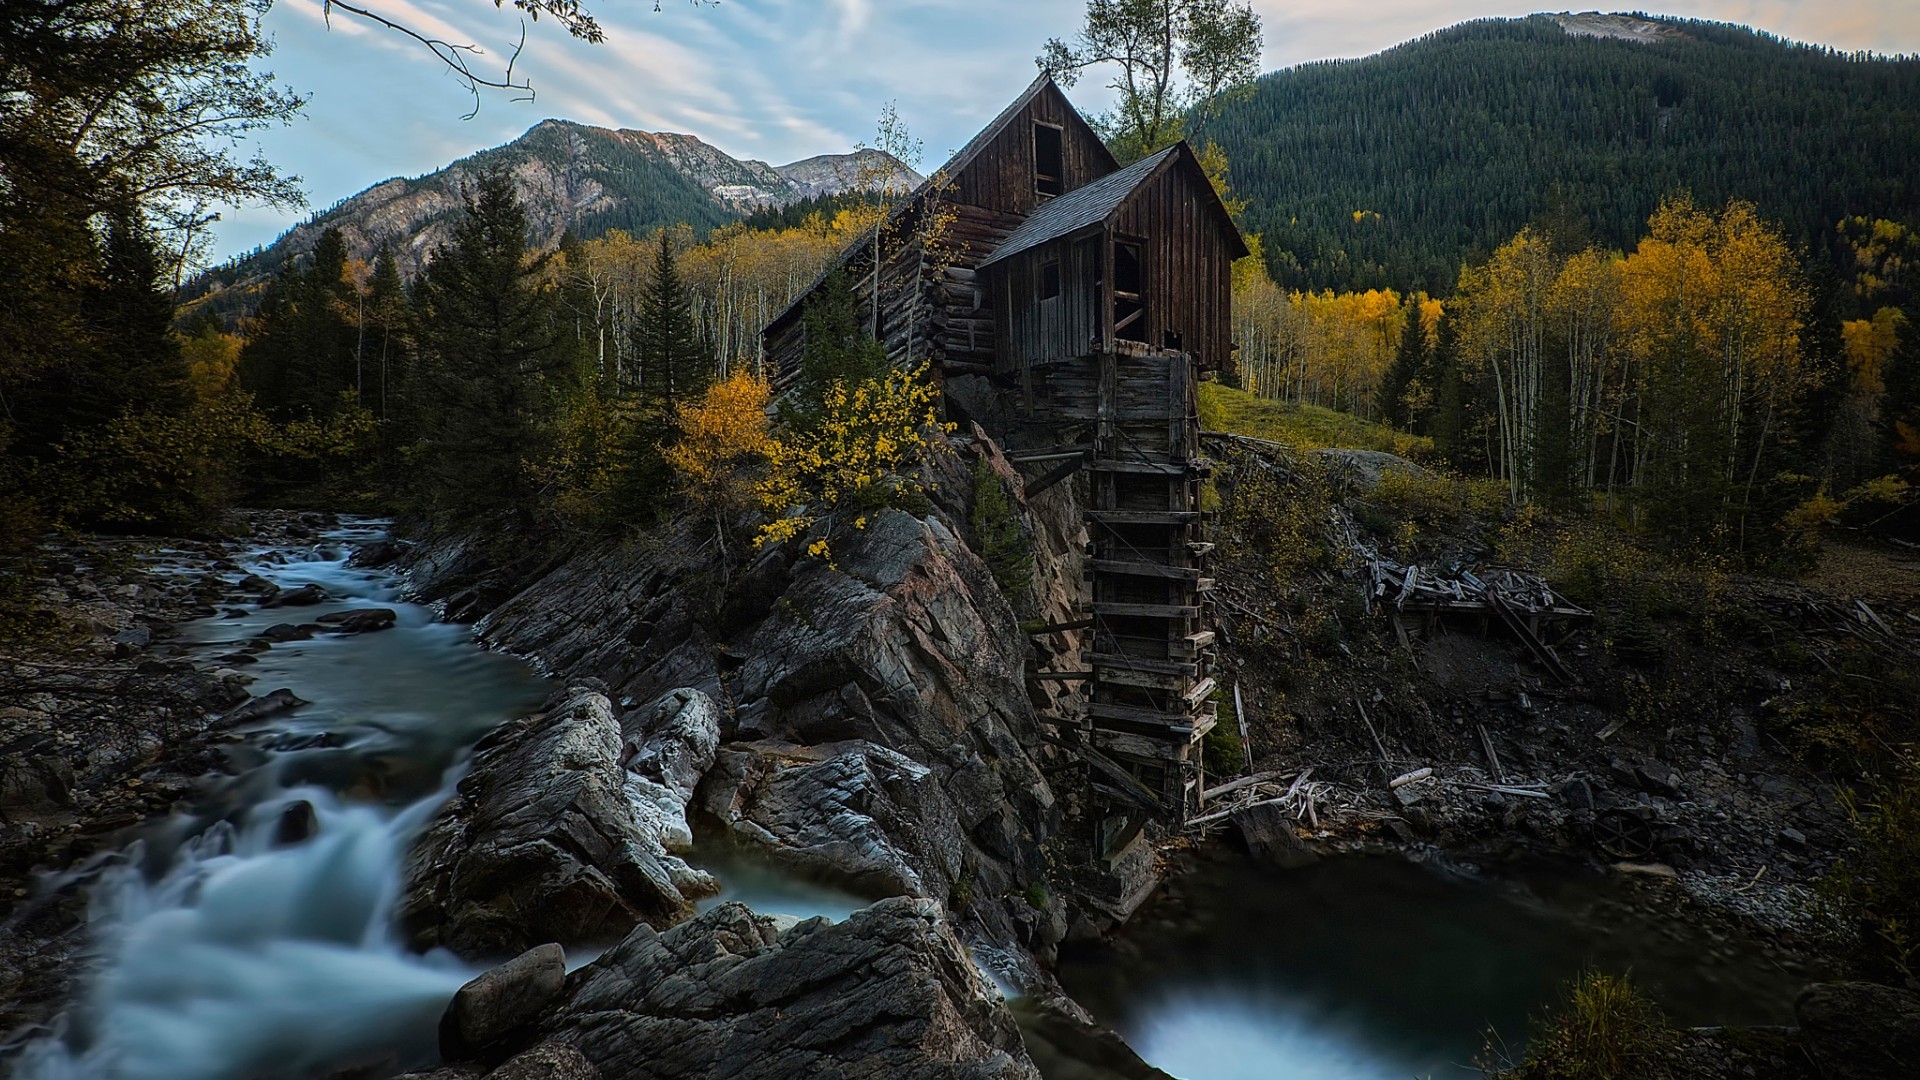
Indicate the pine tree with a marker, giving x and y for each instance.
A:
(492, 378)
(1410, 362)
(838, 350)
(1448, 421)
(673, 367)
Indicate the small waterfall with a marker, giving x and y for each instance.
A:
(252, 958)
(228, 947)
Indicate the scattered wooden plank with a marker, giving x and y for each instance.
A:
(1493, 759)
(1246, 743)
(1404, 779)
(1378, 745)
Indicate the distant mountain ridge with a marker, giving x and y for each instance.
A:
(1394, 168)
(572, 176)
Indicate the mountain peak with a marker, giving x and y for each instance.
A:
(580, 177)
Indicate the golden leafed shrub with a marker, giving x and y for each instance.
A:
(863, 453)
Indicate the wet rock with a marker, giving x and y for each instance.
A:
(304, 596)
(1063, 1044)
(550, 838)
(34, 777)
(280, 633)
(360, 620)
(888, 993)
(378, 553)
(500, 1003)
(1861, 1031)
(260, 708)
(131, 640)
(296, 825)
(1269, 835)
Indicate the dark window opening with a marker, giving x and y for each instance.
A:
(1129, 294)
(1171, 340)
(1049, 279)
(1049, 160)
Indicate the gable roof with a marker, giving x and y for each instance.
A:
(1079, 208)
(1096, 202)
(945, 174)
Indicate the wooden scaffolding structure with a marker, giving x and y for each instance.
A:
(1152, 642)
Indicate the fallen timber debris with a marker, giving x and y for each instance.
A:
(1520, 601)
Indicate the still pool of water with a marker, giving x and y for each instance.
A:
(1381, 969)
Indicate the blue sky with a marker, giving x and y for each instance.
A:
(781, 80)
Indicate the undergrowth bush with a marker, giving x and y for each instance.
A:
(1605, 1030)
(1877, 883)
(998, 537)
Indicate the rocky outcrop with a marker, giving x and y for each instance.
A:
(880, 734)
(1861, 1031)
(888, 993)
(566, 829)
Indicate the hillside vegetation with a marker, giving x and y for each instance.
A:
(1393, 169)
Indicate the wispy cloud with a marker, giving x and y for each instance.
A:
(781, 80)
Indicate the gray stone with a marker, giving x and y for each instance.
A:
(260, 708)
(1861, 1031)
(888, 993)
(550, 838)
(1269, 835)
(304, 596)
(360, 620)
(284, 632)
(501, 1002)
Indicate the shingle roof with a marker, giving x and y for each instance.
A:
(1087, 205)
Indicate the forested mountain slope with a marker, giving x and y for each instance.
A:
(1392, 169)
(572, 176)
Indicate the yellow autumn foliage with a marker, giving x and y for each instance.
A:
(724, 437)
(864, 452)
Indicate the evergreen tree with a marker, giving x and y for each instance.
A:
(1410, 362)
(1448, 420)
(674, 368)
(309, 349)
(838, 350)
(492, 377)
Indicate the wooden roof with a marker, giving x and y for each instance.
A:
(1096, 202)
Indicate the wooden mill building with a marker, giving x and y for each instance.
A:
(1092, 298)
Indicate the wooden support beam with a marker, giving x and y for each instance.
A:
(1175, 723)
(1060, 627)
(1143, 517)
(1055, 476)
(1122, 662)
(1060, 676)
(1143, 569)
(1150, 611)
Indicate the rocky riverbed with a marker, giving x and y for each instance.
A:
(861, 724)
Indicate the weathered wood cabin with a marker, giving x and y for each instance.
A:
(1101, 295)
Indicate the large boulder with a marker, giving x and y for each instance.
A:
(888, 993)
(1861, 1031)
(867, 817)
(551, 837)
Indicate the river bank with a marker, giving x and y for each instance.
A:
(108, 721)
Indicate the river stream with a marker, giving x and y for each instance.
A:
(226, 948)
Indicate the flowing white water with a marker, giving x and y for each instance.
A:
(248, 958)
